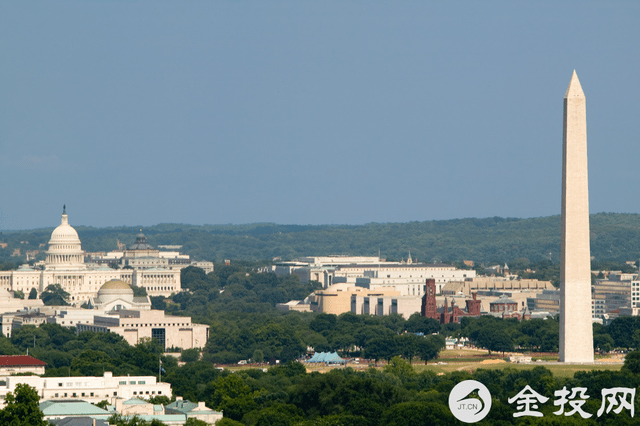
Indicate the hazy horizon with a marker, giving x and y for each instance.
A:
(309, 113)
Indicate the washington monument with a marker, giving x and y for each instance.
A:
(576, 335)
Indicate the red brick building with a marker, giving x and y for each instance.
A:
(449, 312)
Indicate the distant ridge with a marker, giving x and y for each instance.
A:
(614, 236)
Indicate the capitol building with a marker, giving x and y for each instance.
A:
(65, 265)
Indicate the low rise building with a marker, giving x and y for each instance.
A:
(337, 298)
(89, 388)
(446, 313)
(11, 365)
(169, 331)
(477, 284)
(381, 304)
(192, 410)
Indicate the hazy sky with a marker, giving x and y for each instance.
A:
(302, 112)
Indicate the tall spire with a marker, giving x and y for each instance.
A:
(576, 334)
(574, 90)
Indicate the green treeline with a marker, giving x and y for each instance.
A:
(288, 395)
(489, 240)
(238, 304)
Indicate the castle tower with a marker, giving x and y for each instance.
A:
(576, 335)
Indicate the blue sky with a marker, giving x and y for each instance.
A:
(298, 112)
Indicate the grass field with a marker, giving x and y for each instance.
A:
(471, 360)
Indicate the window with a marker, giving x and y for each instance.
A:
(123, 382)
(59, 384)
(141, 382)
(132, 382)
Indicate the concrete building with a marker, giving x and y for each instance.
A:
(380, 304)
(329, 270)
(169, 331)
(547, 301)
(576, 334)
(89, 388)
(141, 255)
(294, 305)
(609, 296)
(65, 266)
(479, 284)
(337, 298)
(117, 295)
(192, 410)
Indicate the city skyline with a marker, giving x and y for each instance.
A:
(146, 113)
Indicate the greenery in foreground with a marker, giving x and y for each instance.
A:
(239, 305)
(490, 240)
(396, 395)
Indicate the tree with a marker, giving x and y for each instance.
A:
(33, 294)
(399, 367)
(494, 340)
(160, 400)
(190, 355)
(54, 294)
(195, 422)
(102, 404)
(258, 356)
(22, 408)
(18, 294)
(632, 362)
(138, 291)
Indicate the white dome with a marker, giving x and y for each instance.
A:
(64, 233)
(65, 249)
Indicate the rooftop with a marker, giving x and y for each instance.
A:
(19, 360)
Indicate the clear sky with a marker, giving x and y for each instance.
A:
(302, 112)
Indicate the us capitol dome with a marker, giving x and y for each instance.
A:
(65, 251)
(65, 266)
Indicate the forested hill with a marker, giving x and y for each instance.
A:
(613, 237)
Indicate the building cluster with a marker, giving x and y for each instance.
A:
(115, 309)
(370, 285)
(73, 397)
(82, 274)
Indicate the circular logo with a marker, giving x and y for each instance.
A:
(470, 401)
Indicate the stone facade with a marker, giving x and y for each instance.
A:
(576, 334)
(65, 266)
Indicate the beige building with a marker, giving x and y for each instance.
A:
(380, 304)
(495, 283)
(117, 295)
(337, 298)
(169, 331)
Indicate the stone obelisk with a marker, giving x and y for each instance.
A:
(576, 335)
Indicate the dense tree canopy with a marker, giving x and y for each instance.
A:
(488, 240)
